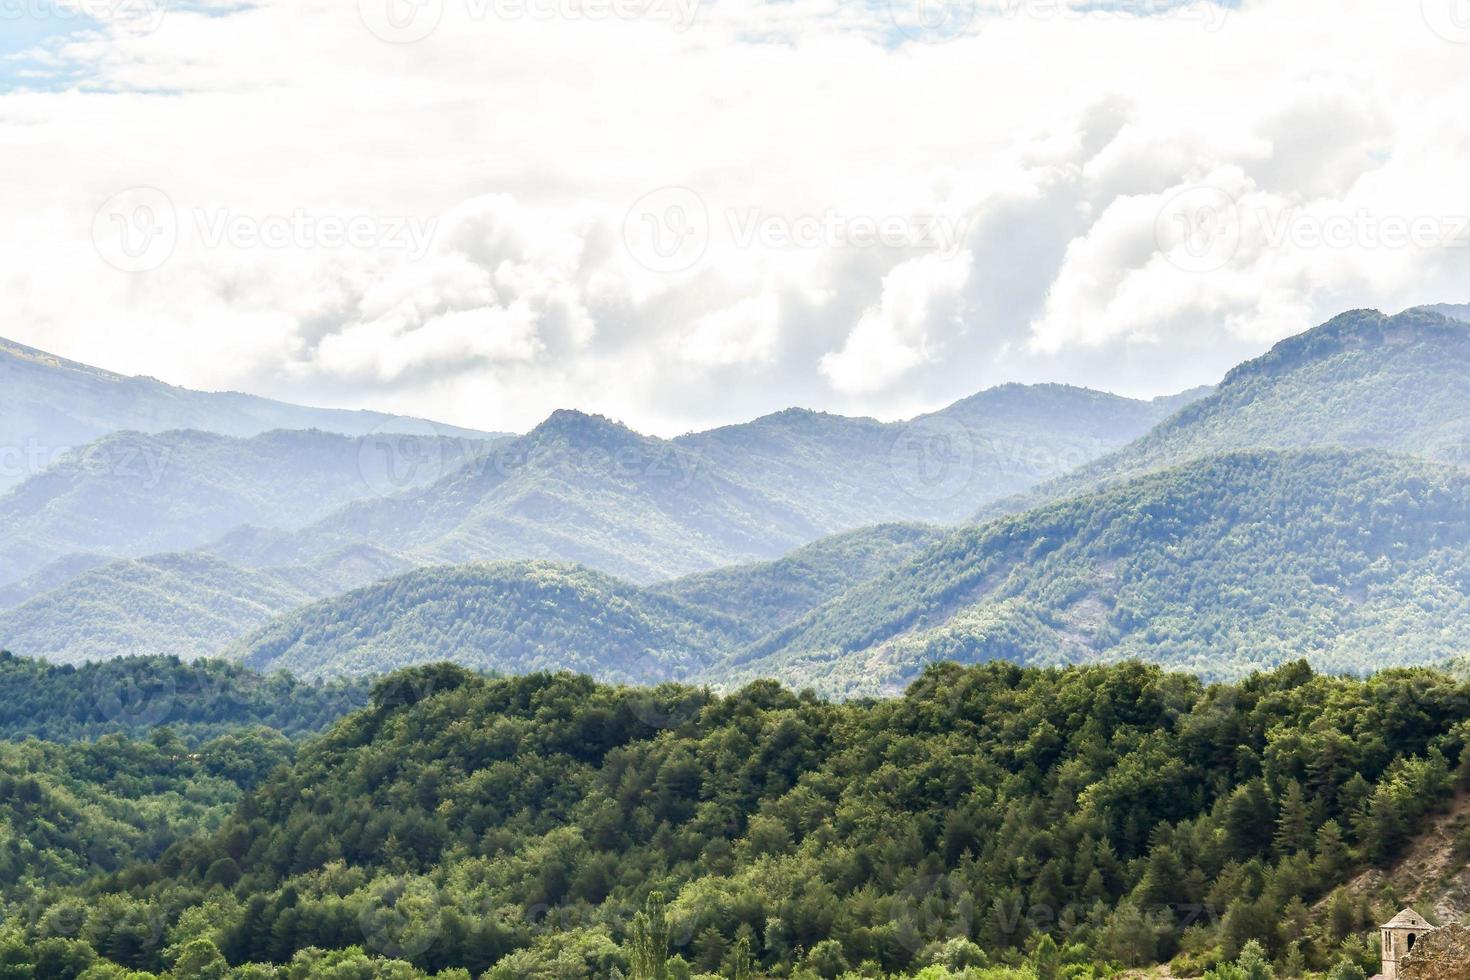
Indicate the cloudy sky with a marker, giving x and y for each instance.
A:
(687, 212)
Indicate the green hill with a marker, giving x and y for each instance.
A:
(134, 695)
(130, 495)
(1355, 561)
(183, 605)
(518, 617)
(1021, 823)
(762, 597)
(49, 404)
(511, 617)
(1361, 381)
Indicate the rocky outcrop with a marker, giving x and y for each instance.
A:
(1443, 954)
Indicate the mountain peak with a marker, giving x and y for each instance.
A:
(1365, 329)
(581, 429)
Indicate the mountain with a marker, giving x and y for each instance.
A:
(130, 494)
(1355, 561)
(842, 473)
(49, 405)
(1362, 380)
(584, 489)
(182, 605)
(512, 617)
(517, 617)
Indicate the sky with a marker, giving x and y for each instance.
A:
(685, 213)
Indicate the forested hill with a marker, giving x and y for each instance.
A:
(517, 617)
(1362, 380)
(1356, 560)
(132, 696)
(1130, 815)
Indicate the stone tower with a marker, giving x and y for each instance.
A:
(1399, 935)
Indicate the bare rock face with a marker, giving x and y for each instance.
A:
(1440, 955)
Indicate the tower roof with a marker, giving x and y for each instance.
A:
(1407, 919)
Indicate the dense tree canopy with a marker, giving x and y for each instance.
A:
(1003, 821)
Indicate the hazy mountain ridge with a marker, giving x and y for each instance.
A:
(187, 605)
(132, 494)
(584, 489)
(49, 405)
(845, 472)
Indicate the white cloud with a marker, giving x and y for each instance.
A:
(522, 141)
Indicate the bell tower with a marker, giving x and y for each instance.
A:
(1399, 935)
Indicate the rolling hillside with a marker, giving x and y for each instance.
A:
(1361, 381)
(130, 495)
(515, 617)
(511, 617)
(49, 405)
(183, 605)
(1355, 561)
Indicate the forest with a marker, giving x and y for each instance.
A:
(993, 822)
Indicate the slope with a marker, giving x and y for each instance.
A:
(1355, 561)
(183, 605)
(509, 617)
(1362, 380)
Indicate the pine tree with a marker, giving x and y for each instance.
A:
(1294, 822)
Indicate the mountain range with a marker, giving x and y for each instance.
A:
(1311, 506)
